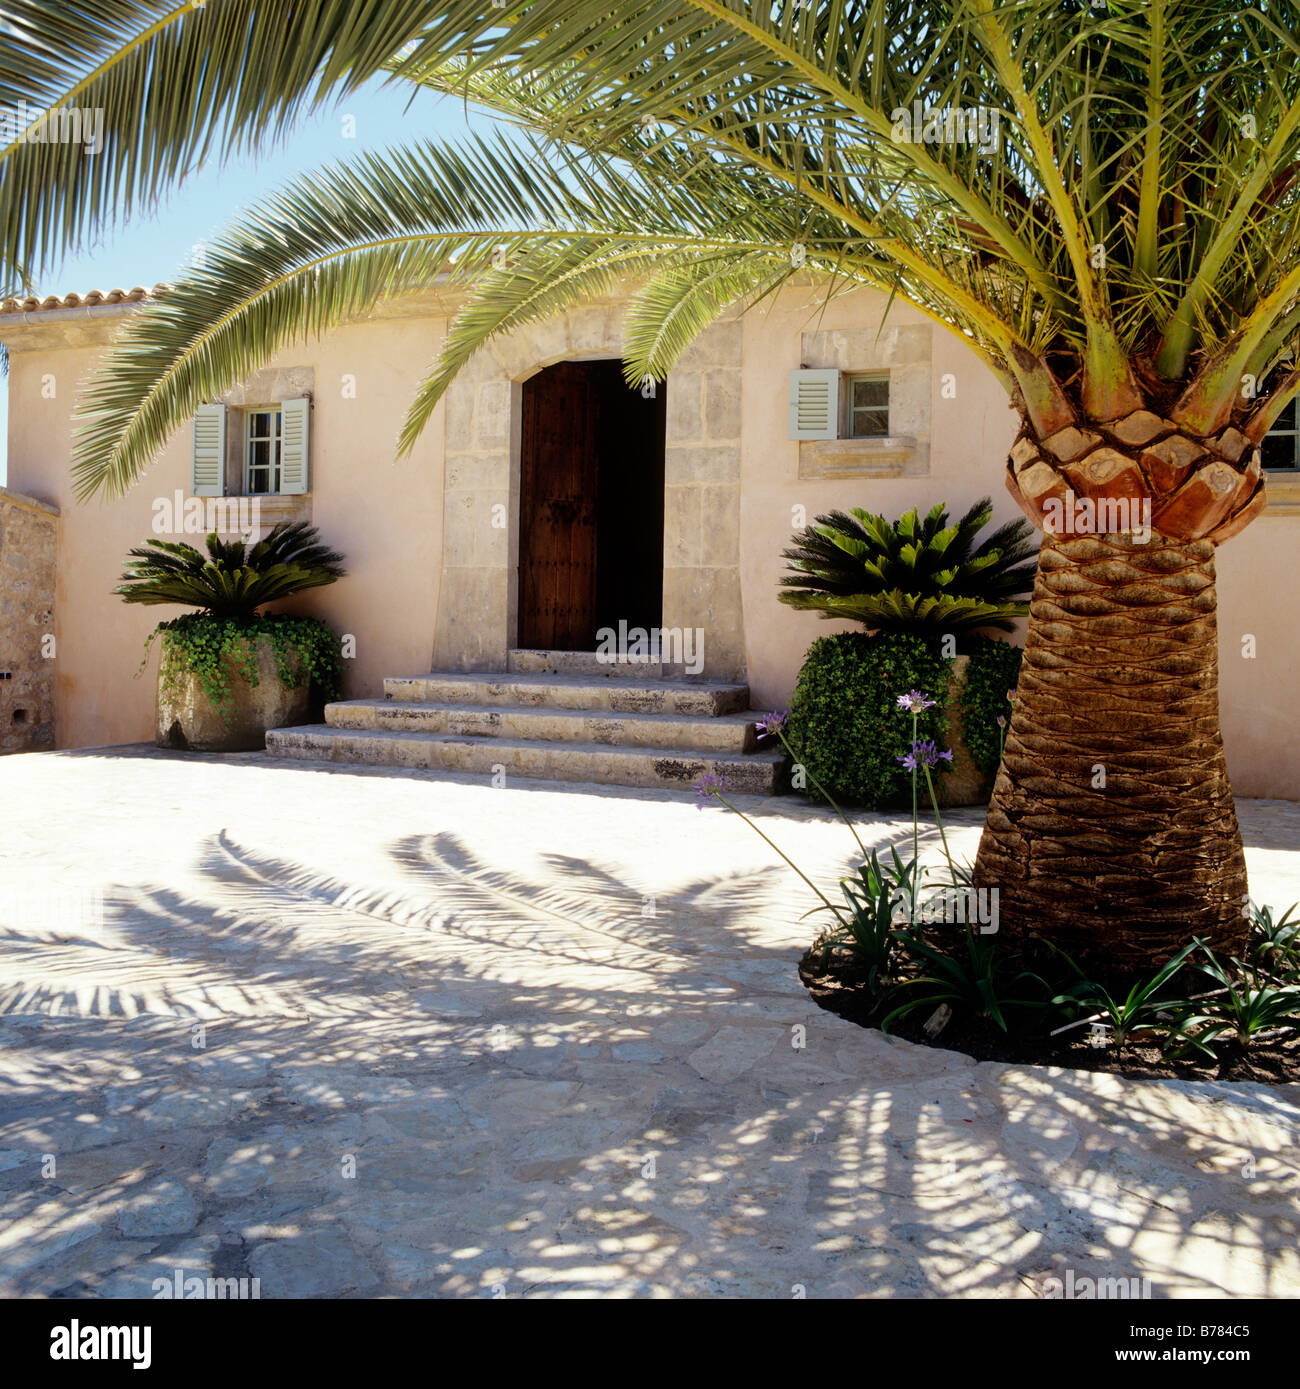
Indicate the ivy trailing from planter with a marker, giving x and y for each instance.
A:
(210, 648)
(228, 585)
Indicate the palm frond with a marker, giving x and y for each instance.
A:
(154, 88)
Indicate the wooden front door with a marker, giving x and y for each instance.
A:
(558, 499)
(591, 506)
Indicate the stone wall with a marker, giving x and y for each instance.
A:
(477, 613)
(28, 540)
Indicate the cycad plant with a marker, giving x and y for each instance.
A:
(1100, 201)
(913, 574)
(235, 578)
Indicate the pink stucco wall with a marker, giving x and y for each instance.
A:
(384, 515)
(387, 517)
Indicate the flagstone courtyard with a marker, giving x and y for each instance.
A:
(355, 1031)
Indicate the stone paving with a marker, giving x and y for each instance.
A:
(353, 1032)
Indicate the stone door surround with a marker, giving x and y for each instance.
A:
(477, 619)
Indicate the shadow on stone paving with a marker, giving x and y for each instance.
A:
(468, 1082)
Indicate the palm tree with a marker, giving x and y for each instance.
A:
(1099, 199)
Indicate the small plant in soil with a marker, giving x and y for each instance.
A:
(1247, 1007)
(977, 981)
(887, 957)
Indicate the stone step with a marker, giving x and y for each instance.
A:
(727, 733)
(670, 768)
(525, 662)
(537, 689)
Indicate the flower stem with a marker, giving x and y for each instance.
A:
(938, 820)
(916, 838)
(795, 757)
(833, 908)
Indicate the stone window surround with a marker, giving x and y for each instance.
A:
(477, 620)
(1282, 493)
(264, 390)
(904, 354)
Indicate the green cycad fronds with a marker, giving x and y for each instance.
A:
(914, 572)
(234, 579)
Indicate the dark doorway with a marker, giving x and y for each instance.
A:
(591, 494)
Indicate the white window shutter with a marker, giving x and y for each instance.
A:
(295, 417)
(208, 452)
(814, 404)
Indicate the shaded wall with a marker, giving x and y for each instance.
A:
(28, 550)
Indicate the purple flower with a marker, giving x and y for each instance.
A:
(771, 724)
(1011, 694)
(1002, 723)
(914, 702)
(706, 788)
(923, 754)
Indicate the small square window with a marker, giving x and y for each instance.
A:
(866, 406)
(261, 452)
(1281, 446)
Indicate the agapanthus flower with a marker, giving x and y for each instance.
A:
(914, 702)
(1011, 694)
(706, 788)
(923, 754)
(771, 724)
(1002, 722)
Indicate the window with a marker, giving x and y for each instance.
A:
(262, 452)
(866, 406)
(1281, 446)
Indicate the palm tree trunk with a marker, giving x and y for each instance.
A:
(1111, 831)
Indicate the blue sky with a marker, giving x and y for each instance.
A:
(155, 242)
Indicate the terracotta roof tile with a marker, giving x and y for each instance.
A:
(93, 299)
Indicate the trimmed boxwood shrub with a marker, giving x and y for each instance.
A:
(994, 669)
(844, 718)
(845, 724)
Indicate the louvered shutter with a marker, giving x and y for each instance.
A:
(814, 404)
(295, 417)
(208, 452)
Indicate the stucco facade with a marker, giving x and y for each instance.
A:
(431, 540)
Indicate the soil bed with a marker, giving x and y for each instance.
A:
(841, 989)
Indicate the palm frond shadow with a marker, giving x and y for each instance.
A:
(277, 935)
(277, 953)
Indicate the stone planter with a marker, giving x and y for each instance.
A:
(964, 784)
(188, 719)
